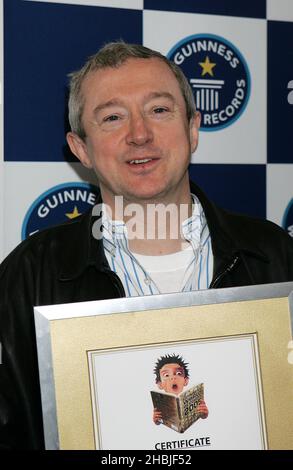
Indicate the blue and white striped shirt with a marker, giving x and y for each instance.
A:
(135, 278)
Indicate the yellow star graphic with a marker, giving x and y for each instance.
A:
(73, 214)
(207, 67)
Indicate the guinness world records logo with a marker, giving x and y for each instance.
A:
(219, 77)
(287, 222)
(58, 205)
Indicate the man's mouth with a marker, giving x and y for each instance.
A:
(174, 387)
(139, 162)
(142, 165)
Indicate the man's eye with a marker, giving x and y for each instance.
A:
(179, 373)
(111, 118)
(160, 110)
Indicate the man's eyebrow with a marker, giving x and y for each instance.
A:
(107, 104)
(160, 94)
(149, 97)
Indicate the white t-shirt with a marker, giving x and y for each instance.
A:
(167, 271)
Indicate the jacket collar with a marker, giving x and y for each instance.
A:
(79, 249)
(227, 233)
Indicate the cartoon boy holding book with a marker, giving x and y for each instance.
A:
(172, 376)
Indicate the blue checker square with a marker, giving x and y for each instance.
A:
(244, 8)
(43, 42)
(280, 92)
(237, 188)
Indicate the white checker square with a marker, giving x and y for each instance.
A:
(279, 191)
(280, 10)
(24, 182)
(244, 141)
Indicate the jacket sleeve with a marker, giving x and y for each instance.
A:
(20, 405)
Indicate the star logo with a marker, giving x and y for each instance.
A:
(73, 214)
(288, 219)
(57, 205)
(207, 67)
(219, 77)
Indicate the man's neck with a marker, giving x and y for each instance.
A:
(154, 228)
(157, 247)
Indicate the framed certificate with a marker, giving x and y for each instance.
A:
(200, 370)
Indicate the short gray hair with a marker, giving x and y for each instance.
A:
(113, 55)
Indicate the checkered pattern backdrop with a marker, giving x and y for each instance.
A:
(237, 55)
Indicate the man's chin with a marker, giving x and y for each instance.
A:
(144, 195)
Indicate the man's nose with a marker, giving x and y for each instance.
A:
(139, 131)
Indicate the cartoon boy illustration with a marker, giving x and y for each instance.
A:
(172, 376)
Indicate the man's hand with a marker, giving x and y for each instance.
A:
(203, 409)
(157, 416)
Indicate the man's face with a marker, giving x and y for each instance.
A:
(172, 378)
(138, 139)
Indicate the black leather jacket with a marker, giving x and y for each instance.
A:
(66, 264)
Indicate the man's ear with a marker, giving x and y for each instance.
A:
(194, 126)
(186, 380)
(160, 385)
(79, 149)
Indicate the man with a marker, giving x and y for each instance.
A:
(134, 122)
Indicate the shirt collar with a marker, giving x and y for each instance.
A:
(192, 228)
(76, 237)
(112, 229)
